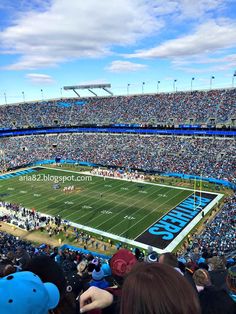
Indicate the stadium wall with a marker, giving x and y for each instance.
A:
(74, 248)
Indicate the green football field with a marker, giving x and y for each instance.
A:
(119, 207)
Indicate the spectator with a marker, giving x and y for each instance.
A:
(149, 288)
(98, 278)
(215, 300)
(231, 282)
(202, 279)
(24, 292)
(217, 271)
(157, 288)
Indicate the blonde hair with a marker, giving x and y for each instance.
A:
(201, 278)
(81, 267)
(216, 263)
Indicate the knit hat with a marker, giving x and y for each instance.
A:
(25, 293)
(97, 274)
(182, 260)
(106, 269)
(95, 261)
(201, 260)
(122, 262)
(152, 258)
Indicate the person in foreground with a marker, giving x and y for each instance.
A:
(148, 289)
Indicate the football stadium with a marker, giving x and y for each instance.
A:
(117, 195)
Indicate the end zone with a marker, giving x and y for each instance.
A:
(166, 233)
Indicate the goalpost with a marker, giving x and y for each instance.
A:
(195, 189)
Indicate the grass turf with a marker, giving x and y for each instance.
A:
(119, 207)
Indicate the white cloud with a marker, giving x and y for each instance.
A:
(125, 66)
(204, 63)
(185, 9)
(73, 29)
(199, 9)
(231, 58)
(38, 78)
(208, 37)
(47, 32)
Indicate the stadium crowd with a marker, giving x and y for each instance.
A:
(22, 217)
(197, 107)
(83, 282)
(209, 157)
(42, 279)
(218, 236)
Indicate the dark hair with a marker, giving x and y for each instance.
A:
(218, 301)
(153, 288)
(91, 267)
(48, 271)
(97, 268)
(8, 269)
(168, 259)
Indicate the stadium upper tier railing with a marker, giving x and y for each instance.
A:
(200, 109)
(130, 130)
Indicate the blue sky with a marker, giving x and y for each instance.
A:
(45, 45)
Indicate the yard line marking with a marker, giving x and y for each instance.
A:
(45, 201)
(90, 204)
(103, 205)
(145, 207)
(152, 212)
(126, 208)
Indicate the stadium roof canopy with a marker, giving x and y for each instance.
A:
(89, 87)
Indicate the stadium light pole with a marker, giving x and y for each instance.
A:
(143, 87)
(158, 83)
(211, 80)
(234, 75)
(174, 84)
(61, 91)
(192, 79)
(128, 85)
(42, 94)
(5, 96)
(23, 95)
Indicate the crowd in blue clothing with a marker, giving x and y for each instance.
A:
(207, 157)
(202, 277)
(197, 107)
(80, 277)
